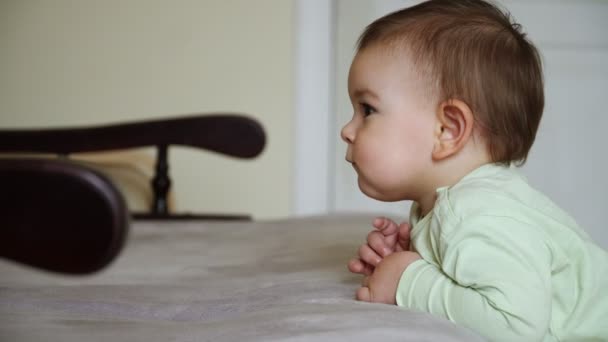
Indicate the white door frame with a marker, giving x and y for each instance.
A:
(314, 120)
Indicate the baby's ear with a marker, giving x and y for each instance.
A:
(453, 129)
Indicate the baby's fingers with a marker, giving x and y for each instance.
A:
(363, 294)
(385, 225)
(359, 267)
(368, 255)
(381, 244)
(404, 236)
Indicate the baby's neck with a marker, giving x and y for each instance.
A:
(448, 172)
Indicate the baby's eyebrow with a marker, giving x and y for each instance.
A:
(365, 93)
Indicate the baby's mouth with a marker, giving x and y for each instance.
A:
(352, 163)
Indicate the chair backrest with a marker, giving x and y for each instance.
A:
(60, 216)
(234, 135)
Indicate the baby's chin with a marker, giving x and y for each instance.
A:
(375, 193)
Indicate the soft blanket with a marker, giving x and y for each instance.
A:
(215, 281)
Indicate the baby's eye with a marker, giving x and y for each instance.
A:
(367, 110)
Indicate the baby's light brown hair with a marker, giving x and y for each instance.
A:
(472, 51)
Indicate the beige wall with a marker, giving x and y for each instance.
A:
(83, 62)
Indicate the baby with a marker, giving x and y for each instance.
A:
(447, 96)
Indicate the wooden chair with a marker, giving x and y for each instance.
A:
(229, 134)
(62, 216)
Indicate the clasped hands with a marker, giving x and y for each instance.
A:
(382, 260)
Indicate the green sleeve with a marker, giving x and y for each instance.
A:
(494, 277)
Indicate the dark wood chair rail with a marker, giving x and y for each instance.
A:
(234, 135)
(230, 134)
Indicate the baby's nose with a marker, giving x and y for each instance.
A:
(348, 133)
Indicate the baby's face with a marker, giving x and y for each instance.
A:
(390, 136)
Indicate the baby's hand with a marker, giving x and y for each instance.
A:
(381, 286)
(385, 239)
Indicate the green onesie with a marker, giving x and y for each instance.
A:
(503, 260)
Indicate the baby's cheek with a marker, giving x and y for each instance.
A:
(376, 167)
(379, 154)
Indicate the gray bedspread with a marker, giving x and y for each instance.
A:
(215, 281)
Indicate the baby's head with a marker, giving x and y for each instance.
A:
(462, 63)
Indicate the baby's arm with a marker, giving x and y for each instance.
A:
(494, 278)
(381, 286)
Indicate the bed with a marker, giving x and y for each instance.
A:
(215, 281)
(165, 277)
